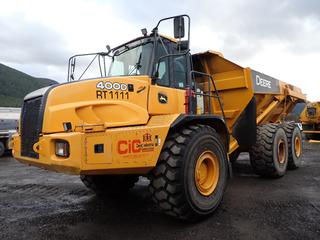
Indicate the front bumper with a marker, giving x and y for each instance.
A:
(47, 158)
(125, 151)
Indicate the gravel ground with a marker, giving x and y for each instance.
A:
(37, 204)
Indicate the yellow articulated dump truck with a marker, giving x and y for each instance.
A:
(310, 119)
(151, 108)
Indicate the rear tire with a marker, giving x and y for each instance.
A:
(109, 185)
(269, 156)
(191, 174)
(294, 145)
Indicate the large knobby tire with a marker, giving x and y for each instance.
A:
(109, 185)
(294, 145)
(191, 174)
(269, 156)
(2, 148)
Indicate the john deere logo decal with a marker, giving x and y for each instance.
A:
(263, 83)
(162, 98)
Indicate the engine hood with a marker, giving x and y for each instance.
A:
(107, 102)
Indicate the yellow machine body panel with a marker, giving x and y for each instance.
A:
(122, 114)
(125, 149)
(107, 102)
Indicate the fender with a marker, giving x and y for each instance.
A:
(214, 121)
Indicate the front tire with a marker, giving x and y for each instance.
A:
(191, 174)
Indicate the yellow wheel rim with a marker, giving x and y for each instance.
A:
(207, 173)
(281, 152)
(297, 146)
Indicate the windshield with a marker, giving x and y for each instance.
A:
(130, 59)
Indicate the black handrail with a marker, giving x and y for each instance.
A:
(192, 73)
(95, 55)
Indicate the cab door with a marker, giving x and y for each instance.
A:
(167, 95)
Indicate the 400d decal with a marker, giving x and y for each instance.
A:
(112, 86)
(109, 90)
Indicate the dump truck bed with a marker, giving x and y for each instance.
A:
(239, 89)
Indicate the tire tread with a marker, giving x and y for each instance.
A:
(169, 194)
(261, 154)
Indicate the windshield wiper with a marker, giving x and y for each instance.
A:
(137, 66)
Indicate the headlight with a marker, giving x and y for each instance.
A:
(62, 148)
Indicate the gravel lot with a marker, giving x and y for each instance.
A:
(37, 204)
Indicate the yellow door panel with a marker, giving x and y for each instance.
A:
(164, 100)
(93, 142)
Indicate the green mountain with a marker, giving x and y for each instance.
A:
(14, 85)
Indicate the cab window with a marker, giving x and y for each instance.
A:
(172, 70)
(179, 71)
(163, 68)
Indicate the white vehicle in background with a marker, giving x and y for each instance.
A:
(9, 118)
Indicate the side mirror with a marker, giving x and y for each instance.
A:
(178, 26)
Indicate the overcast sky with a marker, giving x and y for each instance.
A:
(279, 38)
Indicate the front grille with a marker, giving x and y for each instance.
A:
(31, 124)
